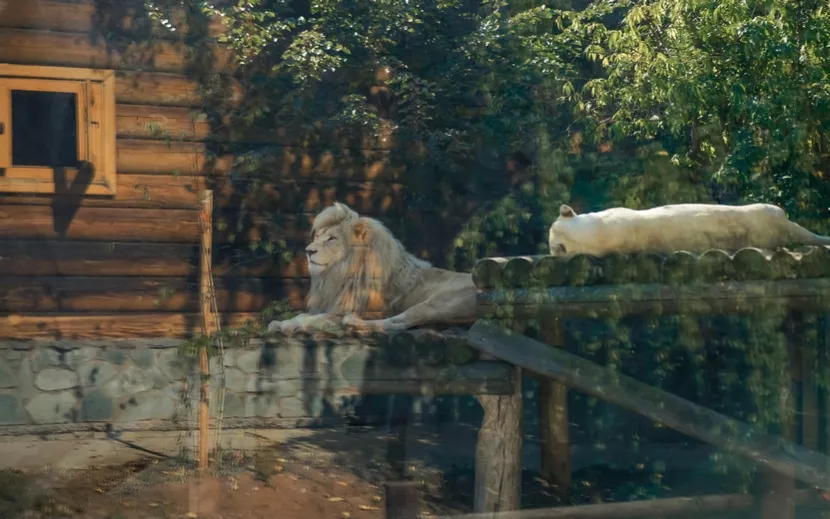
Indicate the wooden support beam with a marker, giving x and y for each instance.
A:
(553, 419)
(809, 393)
(657, 299)
(658, 405)
(403, 500)
(777, 501)
(115, 258)
(206, 299)
(498, 472)
(656, 508)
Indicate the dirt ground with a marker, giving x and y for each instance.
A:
(265, 487)
(320, 475)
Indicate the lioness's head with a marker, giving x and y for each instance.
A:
(556, 238)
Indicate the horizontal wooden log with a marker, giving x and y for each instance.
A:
(488, 273)
(189, 123)
(192, 158)
(110, 326)
(82, 16)
(476, 378)
(168, 157)
(260, 264)
(312, 196)
(161, 191)
(344, 164)
(679, 268)
(665, 507)
(161, 89)
(119, 258)
(730, 297)
(153, 225)
(27, 295)
(161, 123)
(34, 47)
(656, 404)
(98, 223)
(167, 191)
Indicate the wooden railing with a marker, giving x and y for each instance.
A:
(514, 292)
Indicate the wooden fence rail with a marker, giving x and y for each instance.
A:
(654, 403)
(672, 506)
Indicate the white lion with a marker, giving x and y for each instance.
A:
(680, 227)
(358, 269)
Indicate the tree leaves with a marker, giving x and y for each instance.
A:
(746, 70)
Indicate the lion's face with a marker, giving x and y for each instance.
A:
(328, 247)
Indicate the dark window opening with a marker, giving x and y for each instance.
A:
(44, 129)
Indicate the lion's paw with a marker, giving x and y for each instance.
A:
(361, 326)
(290, 327)
(274, 326)
(353, 321)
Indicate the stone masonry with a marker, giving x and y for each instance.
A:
(147, 381)
(134, 380)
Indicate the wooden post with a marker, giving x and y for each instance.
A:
(823, 348)
(205, 296)
(498, 474)
(809, 344)
(402, 499)
(553, 419)
(671, 410)
(777, 501)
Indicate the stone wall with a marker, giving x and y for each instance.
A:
(144, 383)
(46, 382)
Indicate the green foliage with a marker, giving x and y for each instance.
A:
(501, 111)
(501, 88)
(736, 91)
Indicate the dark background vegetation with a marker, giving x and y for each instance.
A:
(491, 114)
(495, 112)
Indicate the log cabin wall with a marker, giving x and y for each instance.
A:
(74, 266)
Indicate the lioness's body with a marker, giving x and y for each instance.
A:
(358, 268)
(669, 228)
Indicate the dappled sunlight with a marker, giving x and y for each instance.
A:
(378, 259)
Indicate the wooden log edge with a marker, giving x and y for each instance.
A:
(646, 508)
(680, 267)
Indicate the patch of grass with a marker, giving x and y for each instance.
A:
(23, 495)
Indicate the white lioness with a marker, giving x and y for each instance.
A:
(358, 267)
(681, 227)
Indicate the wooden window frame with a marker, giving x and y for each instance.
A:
(95, 92)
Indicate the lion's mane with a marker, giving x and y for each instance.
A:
(375, 272)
